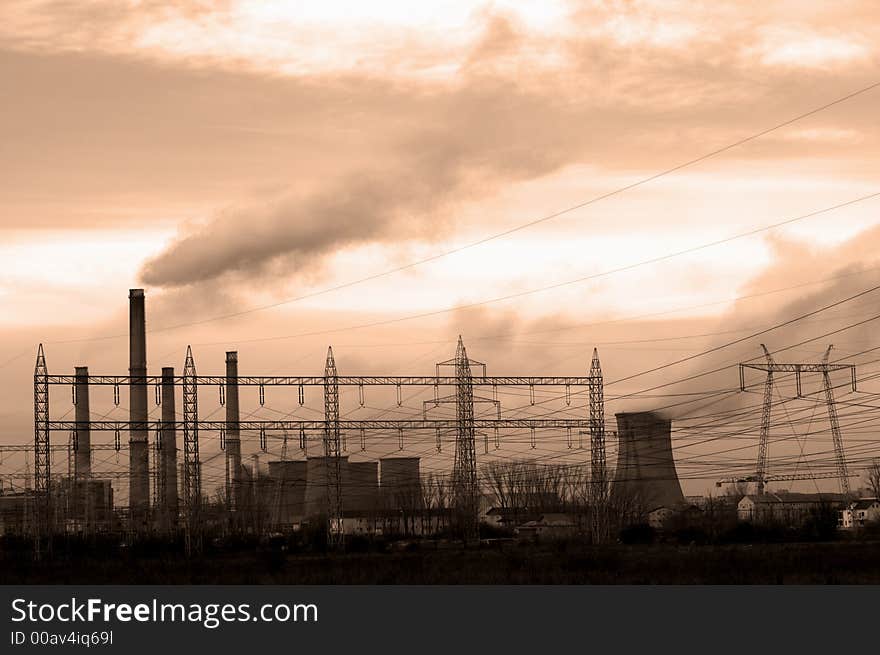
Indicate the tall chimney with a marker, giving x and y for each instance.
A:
(82, 459)
(168, 444)
(82, 462)
(139, 464)
(233, 437)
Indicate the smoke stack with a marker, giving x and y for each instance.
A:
(645, 467)
(139, 465)
(82, 462)
(168, 494)
(233, 438)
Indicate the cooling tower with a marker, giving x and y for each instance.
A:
(400, 481)
(139, 465)
(292, 476)
(360, 490)
(317, 499)
(645, 466)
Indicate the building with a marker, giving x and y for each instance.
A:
(861, 513)
(790, 509)
(548, 526)
(16, 513)
(83, 505)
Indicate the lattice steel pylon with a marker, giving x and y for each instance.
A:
(842, 473)
(598, 491)
(761, 467)
(598, 469)
(824, 368)
(464, 472)
(192, 487)
(278, 499)
(332, 452)
(42, 461)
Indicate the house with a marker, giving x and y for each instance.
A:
(860, 513)
(548, 526)
(790, 509)
(508, 517)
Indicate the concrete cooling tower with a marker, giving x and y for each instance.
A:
(400, 481)
(292, 475)
(317, 500)
(645, 466)
(360, 487)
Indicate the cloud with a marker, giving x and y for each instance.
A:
(842, 271)
(807, 49)
(455, 144)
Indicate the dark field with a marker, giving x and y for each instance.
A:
(570, 563)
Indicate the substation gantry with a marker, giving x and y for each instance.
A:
(465, 425)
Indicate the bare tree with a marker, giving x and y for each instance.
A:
(872, 478)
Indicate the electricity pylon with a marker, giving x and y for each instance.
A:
(825, 369)
(332, 453)
(192, 486)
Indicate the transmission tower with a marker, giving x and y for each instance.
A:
(41, 451)
(598, 471)
(842, 473)
(464, 471)
(825, 369)
(761, 468)
(335, 534)
(278, 500)
(598, 490)
(192, 488)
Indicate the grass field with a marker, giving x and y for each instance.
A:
(563, 563)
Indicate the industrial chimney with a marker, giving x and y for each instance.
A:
(139, 465)
(83, 459)
(168, 488)
(233, 437)
(645, 467)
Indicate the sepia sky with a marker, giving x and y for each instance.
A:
(231, 155)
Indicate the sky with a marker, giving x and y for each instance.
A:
(229, 156)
